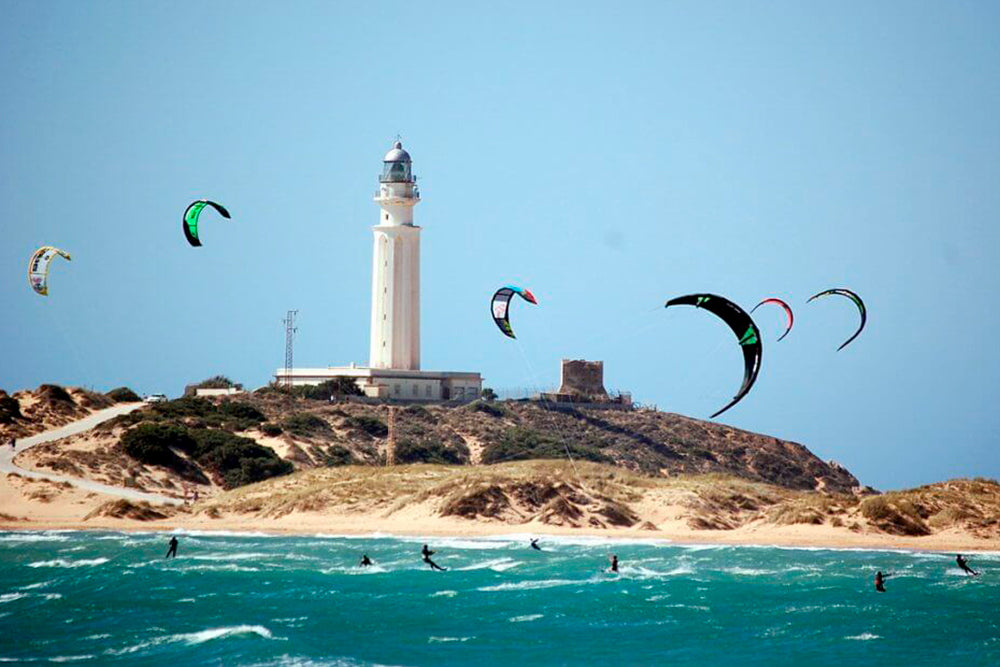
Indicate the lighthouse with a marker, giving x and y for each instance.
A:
(395, 322)
(393, 372)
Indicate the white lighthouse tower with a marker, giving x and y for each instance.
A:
(395, 324)
(393, 372)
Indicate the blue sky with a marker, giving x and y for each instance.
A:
(606, 157)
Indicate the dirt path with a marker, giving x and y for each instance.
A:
(7, 456)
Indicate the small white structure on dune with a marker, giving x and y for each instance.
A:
(393, 369)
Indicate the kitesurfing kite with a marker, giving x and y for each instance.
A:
(191, 215)
(742, 325)
(788, 313)
(38, 267)
(500, 306)
(857, 302)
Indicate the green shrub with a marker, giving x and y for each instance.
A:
(123, 395)
(153, 444)
(54, 392)
(518, 444)
(185, 407)
(305, 424)
(337, 455)
(488, 394)
(427, 451)
(271, 430)
(10, 410)
(217, 382)
(373, 426)
(241, 416)
(236, 460)
(418, 412)
(491, 409)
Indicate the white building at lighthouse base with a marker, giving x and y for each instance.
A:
(393, 384)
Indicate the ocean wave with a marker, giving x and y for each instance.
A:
(71, 658)
(200, 637)
(38, 584)
(60, 562)
(234, 556)
(748, 571)
(446, 594)
(526, 618)
(537, 584)
(33, 537)
(354, 569)
(864, 637)
(442, 640)
(10, 597)
(497, 565)
(228, 567)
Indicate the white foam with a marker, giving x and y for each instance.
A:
(195, 638)
(71, 658)
(354, 569)
(235, 556)
(535, 585)
(446, 594)
(436, 640)
(40, 584)
(60, 562)
(229, 567)
(525, 618)
(497, 565)
(10, 597)
(864, 637)
(33, 537)
(748, 571)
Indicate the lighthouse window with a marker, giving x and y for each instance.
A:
(416, 390)
(427, 390)
(395, 389)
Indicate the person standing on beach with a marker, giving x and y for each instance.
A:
(965, 565)
(172, 551)
(880, 581)
(13, 443)
(427, 553)
(614, 564)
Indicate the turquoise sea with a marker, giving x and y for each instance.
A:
(239, 599)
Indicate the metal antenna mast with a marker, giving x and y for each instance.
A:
(290, 330)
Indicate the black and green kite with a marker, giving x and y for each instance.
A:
(742, 325)
(191, 215)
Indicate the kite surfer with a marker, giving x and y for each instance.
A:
(614, 563)
(534, 544)
(365, 561)
(965, 565)
(880, 581)
(427, 553)
(172, 551)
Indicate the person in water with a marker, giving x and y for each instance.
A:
(172, 551)
(614, 563)
(427, 553)
(365, 561)
(534, 544)
(880, 581)
(965, 565)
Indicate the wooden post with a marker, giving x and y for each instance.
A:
(390, 445)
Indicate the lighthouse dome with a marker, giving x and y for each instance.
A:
(397, 154)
